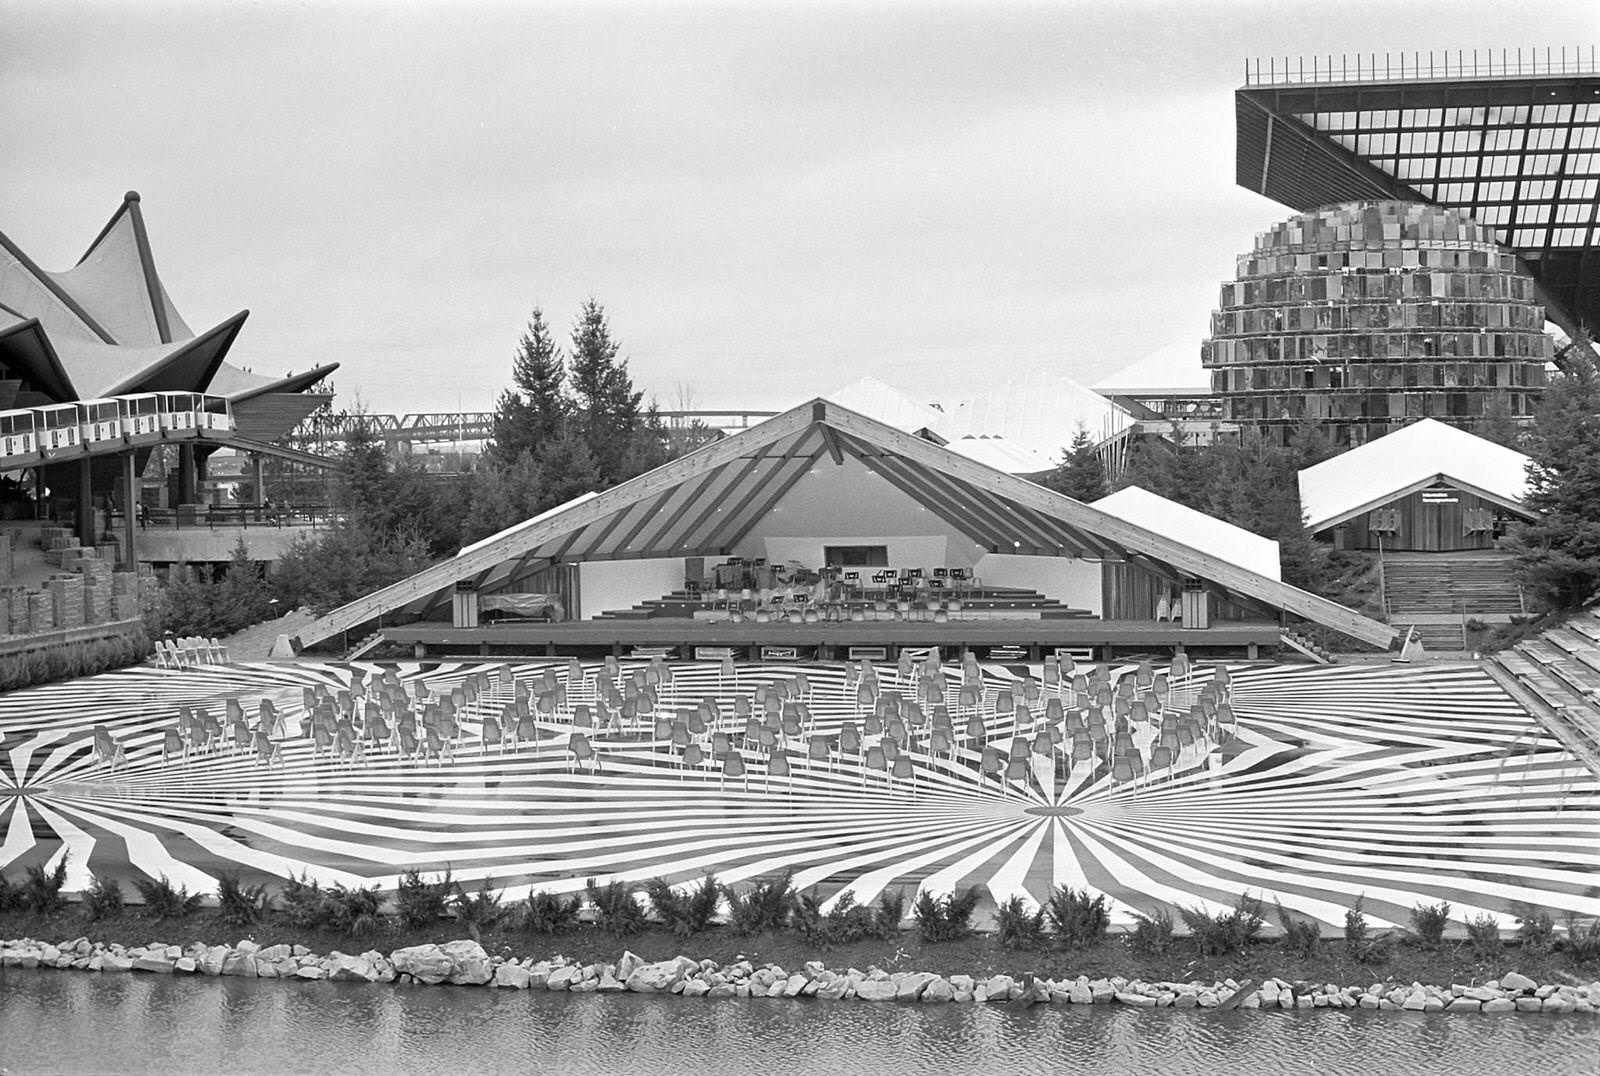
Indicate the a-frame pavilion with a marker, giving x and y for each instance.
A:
(822, 484)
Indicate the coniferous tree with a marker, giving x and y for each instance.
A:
(1558, 554)
(537, 408)
(1080, 475)
(608, 409)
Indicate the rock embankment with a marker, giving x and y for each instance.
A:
(465, 963)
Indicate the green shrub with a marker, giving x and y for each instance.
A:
(886, 917)
(1300, 936)
(162, 901)
(1483, 936)
(1376, 950)
(946, 918)
(1355, 926)
(1016, 927)
(480, 909)
(71, 660)
(615, 910)
(356, 911)
(1583, 942)
(10, 895)
(1077, 919)
(684, 913)
(422, 904)
(1226, 932)
(547, 913)
(844, 924)
(304, 903)
(1152, 934)
(241, 905)
(103, 898)
(1428, 922)
(766, 905)
(1536, 931)
(41, 889)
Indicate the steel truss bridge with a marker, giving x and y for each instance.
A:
(437, 427)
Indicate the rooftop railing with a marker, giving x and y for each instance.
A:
(1345, 67)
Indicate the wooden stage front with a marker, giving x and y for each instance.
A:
(832, 640)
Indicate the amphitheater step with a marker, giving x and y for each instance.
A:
(1450, 583)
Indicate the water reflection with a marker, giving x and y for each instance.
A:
(61, 1022)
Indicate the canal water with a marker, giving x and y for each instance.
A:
(76, 1022)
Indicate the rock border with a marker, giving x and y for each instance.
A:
(466, 963)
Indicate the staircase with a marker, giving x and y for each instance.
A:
(1439, 583)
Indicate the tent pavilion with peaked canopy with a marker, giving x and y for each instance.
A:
(821, 476)
(107, 327)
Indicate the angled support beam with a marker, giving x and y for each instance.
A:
(778, 494)
(653, 540)
(715, 539)
(740, 476)
(885, 467)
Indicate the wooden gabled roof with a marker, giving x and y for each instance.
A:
(703, 505)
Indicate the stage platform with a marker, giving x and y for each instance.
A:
(1092, 638)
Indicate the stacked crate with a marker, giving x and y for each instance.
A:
(55, 541)
(8, 557)
(41, 612)
(66, 596)
(125, 595)
(95, 567)
(16, 610)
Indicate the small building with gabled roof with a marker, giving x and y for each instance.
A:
(1426, 487)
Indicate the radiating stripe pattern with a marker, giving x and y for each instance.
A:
(1399, 785)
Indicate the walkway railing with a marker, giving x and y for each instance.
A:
(1422, 66)
(202, 516)
(33, 435)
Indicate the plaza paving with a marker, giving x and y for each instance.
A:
(1397, 784)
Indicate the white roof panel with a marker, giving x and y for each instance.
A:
(1208, 534)
(1001, 453)
(1174, 370)
(1367, 476)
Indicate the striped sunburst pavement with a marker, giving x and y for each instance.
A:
(1399, 785)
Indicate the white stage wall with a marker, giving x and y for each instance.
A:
(863, 509)
(622, 584)
(1068, 580)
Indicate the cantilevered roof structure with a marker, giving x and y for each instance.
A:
(705, 503)
(1512, 140)
(1408, 460)
(107, 327)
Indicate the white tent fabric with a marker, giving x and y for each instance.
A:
(1208, 534)
(1363, 478)
(1040, 412)
(1001, 453)
(1174, 370)
(871, 397)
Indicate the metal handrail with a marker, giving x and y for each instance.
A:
(1421, 67)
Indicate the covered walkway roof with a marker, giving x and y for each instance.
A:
(704, 503)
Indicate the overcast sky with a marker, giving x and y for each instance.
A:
(770, 200)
